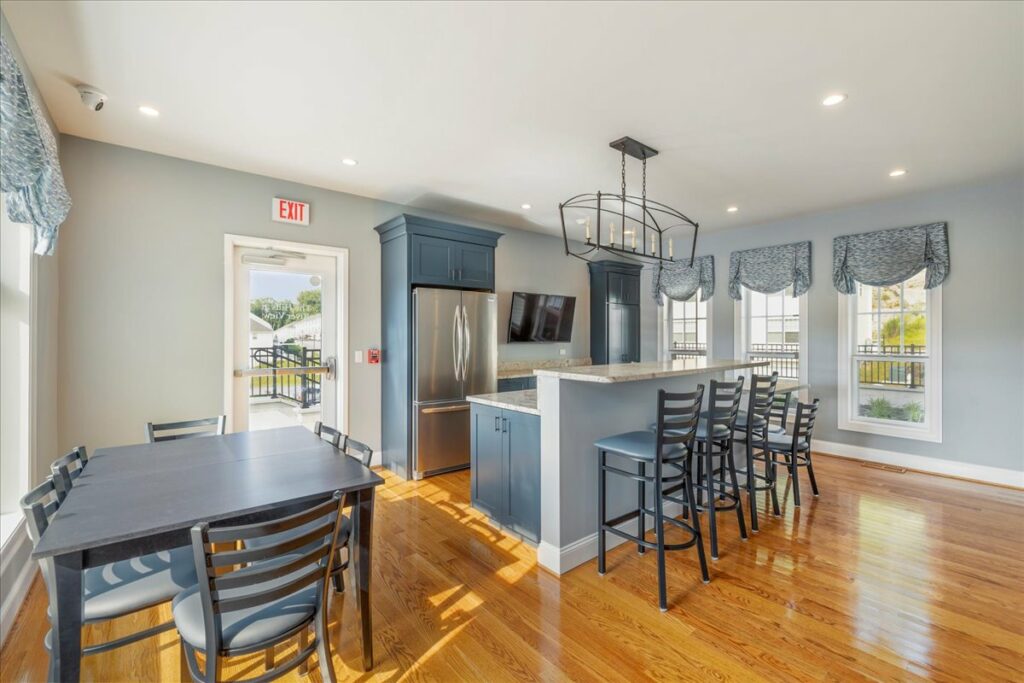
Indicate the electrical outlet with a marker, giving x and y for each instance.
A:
(359, 356)
(561, 352)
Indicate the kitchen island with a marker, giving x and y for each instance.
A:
(577, 407)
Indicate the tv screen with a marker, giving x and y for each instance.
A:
(541, 317)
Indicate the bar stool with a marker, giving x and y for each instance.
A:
(670, 448)
(795, 448)
(752, 425)
(715, 440)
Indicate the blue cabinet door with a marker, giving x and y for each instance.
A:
(474, 266)
(433, 260)
(487, 460)
(522, 463)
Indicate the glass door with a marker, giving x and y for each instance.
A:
(285, 337)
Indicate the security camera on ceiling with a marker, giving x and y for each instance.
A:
(93, 98)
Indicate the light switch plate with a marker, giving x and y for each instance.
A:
(359, 356)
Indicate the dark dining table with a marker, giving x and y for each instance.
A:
(134, 500)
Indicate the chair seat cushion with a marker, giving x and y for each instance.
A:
(123, 587)
(640, 444)
(344, 530)
(781, 441)
(741, 420)
(719, 431)
(247, 627)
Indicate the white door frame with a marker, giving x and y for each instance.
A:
(340, 254)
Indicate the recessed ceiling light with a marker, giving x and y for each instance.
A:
(897, 172)
(148, 111)
(834, 99)
(349, 162)
(527, 207)
(733, 209)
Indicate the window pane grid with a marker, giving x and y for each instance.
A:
(689, 327)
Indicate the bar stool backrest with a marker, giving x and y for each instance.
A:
(187, 429)
(66, 469)
(678, 415)
(803, 425)
(330, 434)
(724, 403)
(779, 412)
(762, 396)
(231, 580)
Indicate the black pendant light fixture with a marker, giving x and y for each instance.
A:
(646, 229)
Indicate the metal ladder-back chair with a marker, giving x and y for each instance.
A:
(715, 440)
(250, 600)
(752, 427)
(187, 429)
(794, 448)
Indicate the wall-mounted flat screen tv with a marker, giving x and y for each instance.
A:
(541, 317)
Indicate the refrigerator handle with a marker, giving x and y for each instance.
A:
(467, 340)
(456, 344)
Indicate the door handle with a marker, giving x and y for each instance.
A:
(446, 409)
(504, 425)
(467, 340)
(456, 344)
(497, 423)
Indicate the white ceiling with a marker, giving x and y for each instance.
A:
(474, 109)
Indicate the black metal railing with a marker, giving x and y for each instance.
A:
(782, 358)
(303, 389)
(893, 349)
(685, 349)
(902, 373)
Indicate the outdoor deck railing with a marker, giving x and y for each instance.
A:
(303, 389)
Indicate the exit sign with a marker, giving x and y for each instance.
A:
(290, 211)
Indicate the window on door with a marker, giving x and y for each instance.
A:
(889, 370)
(773, 327)
(688, 326)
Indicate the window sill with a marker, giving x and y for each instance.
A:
(933, 435)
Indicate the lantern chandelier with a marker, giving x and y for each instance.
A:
(628, 226)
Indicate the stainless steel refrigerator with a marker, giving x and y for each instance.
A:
(455, 354)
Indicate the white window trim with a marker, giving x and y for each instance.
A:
(931, 429)
(665, 328)
(740, 335)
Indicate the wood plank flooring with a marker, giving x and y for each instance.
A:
(886, 576)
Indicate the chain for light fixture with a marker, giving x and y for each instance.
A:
(650, 218)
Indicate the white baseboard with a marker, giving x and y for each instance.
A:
(949, 468)
(18, 545)
(559, 560)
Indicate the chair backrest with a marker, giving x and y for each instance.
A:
(330, 434)
(39, 506)
(678, 416)
(724, 404)
(291, 561)
(803, 425)
(762, 395)
(779, 412)
(358, 450)
(187, 429)
(66, 469)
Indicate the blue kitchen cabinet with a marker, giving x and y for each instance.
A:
(450, 263)
(614, 312)
(486, 460)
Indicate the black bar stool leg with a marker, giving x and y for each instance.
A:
(600, 513)
(751, 488)
(736, 491)
(810, 474)
(794, 475)
(659, 524)
(700, 474)
(640, 501)
(692, 505)
(710, 478)
(769, 471)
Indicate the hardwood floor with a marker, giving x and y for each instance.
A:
(886, 576)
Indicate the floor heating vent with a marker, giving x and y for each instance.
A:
(887, 468)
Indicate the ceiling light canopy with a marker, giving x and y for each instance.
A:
(148, 111)
(733, 209)
(350, 162)
(897, 172)
(628, 225)
(834, 99)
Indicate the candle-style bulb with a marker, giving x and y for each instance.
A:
(654, 246)
(611, 233)
(588, 228)
(670, 249)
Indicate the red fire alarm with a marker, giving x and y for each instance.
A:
(373, 356)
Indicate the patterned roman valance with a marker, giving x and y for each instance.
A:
(30, 174)
(771, 269)
(680, 281)
(887, 257)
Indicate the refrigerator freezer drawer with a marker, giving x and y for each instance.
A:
(440, 437)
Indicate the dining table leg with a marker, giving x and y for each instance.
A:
(362, 531)
(66, 623)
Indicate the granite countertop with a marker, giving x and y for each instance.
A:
(525, 368)
(635, 372)
(520, 401)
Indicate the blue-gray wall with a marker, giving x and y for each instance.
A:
(982, 314)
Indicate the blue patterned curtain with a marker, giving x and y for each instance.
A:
(887, 257)
(30, 173)
(771, 269)
(679, 281)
